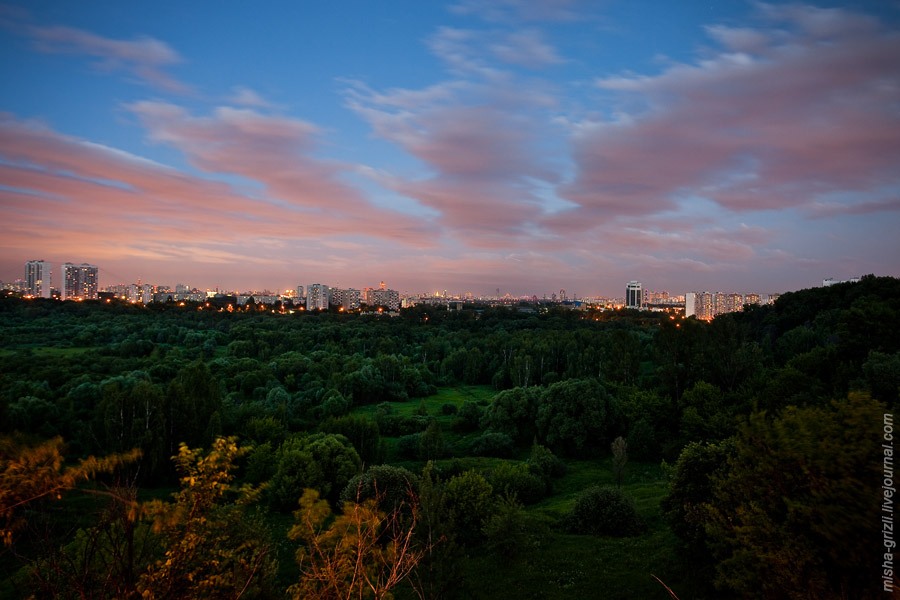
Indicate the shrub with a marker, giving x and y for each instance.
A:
(408, 445)
(603, 511)
(391, 485)
(516, 480)
(492, 444)
(505, 530)
(545, 464)
(449, 409)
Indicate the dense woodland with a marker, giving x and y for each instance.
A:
(171, 452)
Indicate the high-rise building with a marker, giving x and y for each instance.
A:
(634, 295)
(37, 278)
(388, 298)
(690, 304)
(317, 296)
(79, 281)
(347, 299)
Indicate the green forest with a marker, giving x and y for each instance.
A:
(170, 452)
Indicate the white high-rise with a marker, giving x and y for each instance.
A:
(79, 281)
(317, 296)
(634, 295)
(37, 278)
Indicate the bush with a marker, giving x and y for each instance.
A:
(391, 485)
(545, 464)
(492, 444)
(505, 530)
(468, 417)
(468, 504)
(408, 446)
(516, 480)
(449, 409)
(603, 511)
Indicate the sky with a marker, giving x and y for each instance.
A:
(469, 145)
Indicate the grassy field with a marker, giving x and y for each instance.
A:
(553, 564)
(432, 405)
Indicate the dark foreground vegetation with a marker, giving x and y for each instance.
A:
(447, 454)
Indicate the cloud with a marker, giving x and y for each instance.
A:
(526, 10)
(478, 52)
(779, 115)
(527, 49)
(59, 191)
(481, 156)
(244, 96)
(278, 153)
(144, 57)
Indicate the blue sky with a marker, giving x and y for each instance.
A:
(469, 145)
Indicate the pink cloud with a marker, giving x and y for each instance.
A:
(774, 119)
(277, 152)
(481, 157)
(145, 57)
(65, 195)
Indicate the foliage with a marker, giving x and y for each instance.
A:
(603, 511)
(362, 432)
(577, 417)
(431, 442)
(545, 465)
(491, 443)
(468, 502)
(322, 461)
(513, 413)
(362, 553)
(515, 480)
(214, 547)
(505, 530)
(30, 473)
(797, 510)
(391, 485)
(619, 449)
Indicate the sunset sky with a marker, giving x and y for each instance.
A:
(526, 145)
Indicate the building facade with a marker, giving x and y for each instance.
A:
(634, 295)
(387, 298)
(317, 296)
(347, 299)
(79, 282)
(37, 278)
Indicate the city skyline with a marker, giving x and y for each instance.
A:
(72, 281)
(468, 145)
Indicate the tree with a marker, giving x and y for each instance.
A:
(214, 546)
(796, 513)
(468, 502)
(620, 458)
(577, 416)
(322, 461)
(362, 553)
(29, 473)
(431, 443)
(603, 511)
(513, 412)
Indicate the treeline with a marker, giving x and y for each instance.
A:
(769, 420)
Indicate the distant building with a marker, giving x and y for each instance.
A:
(347, 299)
(634, 295)
(37, 278)
(317, 296)
(387, 298)
(79, 282)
